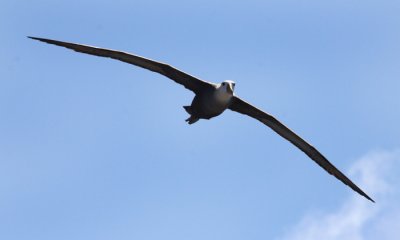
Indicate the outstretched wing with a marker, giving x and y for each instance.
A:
(192, 83)
(243, 107)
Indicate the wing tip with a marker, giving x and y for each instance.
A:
(366, 196)
(43, 39)
(34, 38)
(40, 39)
(362, 193)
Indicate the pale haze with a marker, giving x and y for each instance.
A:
(93, 148)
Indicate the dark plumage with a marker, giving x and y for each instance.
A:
(212, 99)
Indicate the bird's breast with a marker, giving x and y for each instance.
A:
(222, 98)
(217, 102)
(210, 104)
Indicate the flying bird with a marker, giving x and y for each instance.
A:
(212, 99)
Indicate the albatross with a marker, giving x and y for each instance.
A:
(212, 99)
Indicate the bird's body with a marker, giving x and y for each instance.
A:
(212, 99)
(211, 102)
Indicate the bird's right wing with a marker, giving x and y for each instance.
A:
(192, 83)
(243, 107)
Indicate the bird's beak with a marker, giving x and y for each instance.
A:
(229, 88)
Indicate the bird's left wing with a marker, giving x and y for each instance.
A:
(192, 83)
(243, 107)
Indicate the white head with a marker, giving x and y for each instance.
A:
(227, 86)
(224, 92)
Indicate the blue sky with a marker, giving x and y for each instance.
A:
(92, 148)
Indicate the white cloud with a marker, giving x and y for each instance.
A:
(357, 218)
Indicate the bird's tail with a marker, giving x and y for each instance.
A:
(188, 109)
(192, 119)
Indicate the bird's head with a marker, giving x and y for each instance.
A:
(227, 86)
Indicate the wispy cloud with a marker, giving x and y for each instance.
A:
(356, 218)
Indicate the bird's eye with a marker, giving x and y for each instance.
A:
(223, 84)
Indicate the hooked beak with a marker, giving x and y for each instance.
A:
(229, 88)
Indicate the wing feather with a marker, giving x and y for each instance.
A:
(243, 107)
(192, 83)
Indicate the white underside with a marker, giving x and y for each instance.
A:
(222, 96)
